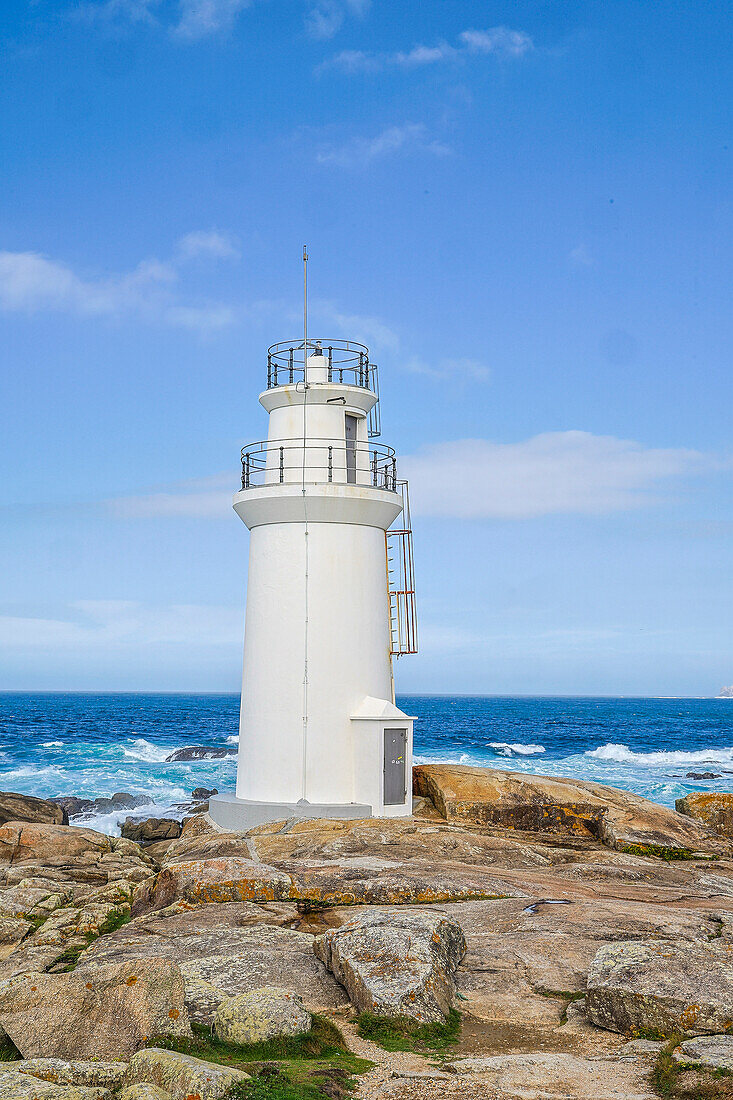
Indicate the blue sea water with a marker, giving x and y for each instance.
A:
(96, 744)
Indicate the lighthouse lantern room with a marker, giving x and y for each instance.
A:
(330, 598)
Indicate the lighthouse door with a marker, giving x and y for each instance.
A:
(395, 750)
(351, 449)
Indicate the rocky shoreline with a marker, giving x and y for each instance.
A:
(518, 937)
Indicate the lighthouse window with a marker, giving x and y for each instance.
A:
(351, 449)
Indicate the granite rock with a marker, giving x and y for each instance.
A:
(710, 1051)
(663, 987)
(106, 1012)
(181, 1076)
(396, 964)
(265, 1013)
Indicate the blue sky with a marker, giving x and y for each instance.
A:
(524, 209)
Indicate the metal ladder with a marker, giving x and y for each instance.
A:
(401, 582)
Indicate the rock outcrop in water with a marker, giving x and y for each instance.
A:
(586, 915)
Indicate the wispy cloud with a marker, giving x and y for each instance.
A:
(580, 256)
(210, 242)
(202, 18)
(203, 498)
(454, 369)
(32, 283)
(326, 17)
(553, 473)
(499, 41)
(119, 624)
(359, 152)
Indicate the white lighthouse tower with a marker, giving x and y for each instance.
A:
(330, 599)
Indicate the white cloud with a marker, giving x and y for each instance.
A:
(499, 41)
(454, 369)
(552, 473)
(130, 11)
(208, 243)
(580, 256)
(201, 18)
(98, 624)
(360, 152)
(326, 17)
(32, 283)
(204, 498)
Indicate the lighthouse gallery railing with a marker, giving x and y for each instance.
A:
(317, 462)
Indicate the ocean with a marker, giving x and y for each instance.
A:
(94, 744)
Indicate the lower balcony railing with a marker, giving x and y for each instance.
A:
(318, 462)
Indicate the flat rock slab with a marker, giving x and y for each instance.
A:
(143, 1092)
(546, 804)
(19, 1086)
(660, 986)
(107, 1012)
(710, 1051)
(263, 956)
(396, 964)
(59, 1072)
(181, 1076)
(549, 1076)
(230, 879)
(188, 933)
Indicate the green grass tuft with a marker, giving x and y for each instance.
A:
(402, 1033)
(8, 1050)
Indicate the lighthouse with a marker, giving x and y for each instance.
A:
(330, 598)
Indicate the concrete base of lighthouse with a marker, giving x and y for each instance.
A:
(240, 814)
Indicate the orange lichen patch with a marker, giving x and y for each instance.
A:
(690, 1016)
(174, 1014)
(131, 980)
(88, 985)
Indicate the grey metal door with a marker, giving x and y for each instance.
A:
(395, 750)
(351, 449)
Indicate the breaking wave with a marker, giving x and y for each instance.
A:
(144, 750)
(622, 754)
(503, 748)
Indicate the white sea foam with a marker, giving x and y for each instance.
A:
(53, 744)
(233, 740)
(502, 748)
(143, 750)
(622, 754)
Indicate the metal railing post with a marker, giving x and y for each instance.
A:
(330, 463)
(330, 364)
(269, 372)
(282, 464)
(291, 363)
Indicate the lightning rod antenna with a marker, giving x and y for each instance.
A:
(305, 314)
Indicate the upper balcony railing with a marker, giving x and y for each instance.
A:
(319, 462)
(347, 363)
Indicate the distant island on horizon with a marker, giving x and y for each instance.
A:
(725, 693)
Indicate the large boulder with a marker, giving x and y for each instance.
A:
(150, 829)
(713, 810)
(396, 964)
(663, 987)
(546, 804)
(24, 807)
(107, 1012)
(182, 1077)
(261, 1014)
